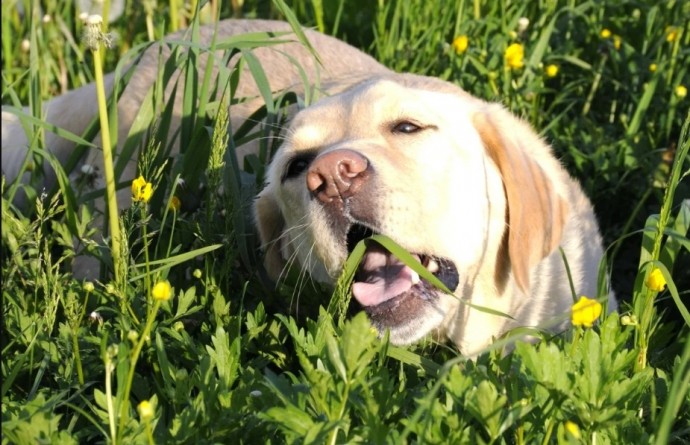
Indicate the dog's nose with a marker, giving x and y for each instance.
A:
(339, 173)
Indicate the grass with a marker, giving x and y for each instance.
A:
(228, 357)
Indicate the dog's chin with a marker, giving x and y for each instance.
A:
(396, 299)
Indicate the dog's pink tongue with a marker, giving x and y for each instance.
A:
(385, 277)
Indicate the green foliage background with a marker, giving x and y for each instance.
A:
(232, 359)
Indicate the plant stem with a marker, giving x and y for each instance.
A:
(595, 85)
(147, 278)
(108, 169)
(75, 341)
(124, 407)
(334, 434)
(549, 431)
(174, 21)
(109, 397)
(77, 358)
(647, 316)
(149, 434)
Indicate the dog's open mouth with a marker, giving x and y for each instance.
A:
(383, 282)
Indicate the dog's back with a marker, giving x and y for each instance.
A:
(286, 65)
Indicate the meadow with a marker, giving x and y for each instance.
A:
(183, 339)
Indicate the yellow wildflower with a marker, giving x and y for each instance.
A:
(617, 42)
(585, 312)
(551, 70)
(653, 67)
(656, 281)
(175, 204)
(141, 190)
(681, 91)
(605, 33)
(88, 286)
(672, 34)
(572, 428)
(162, 290)
(145, 410)
(460, 44)
(514, 55)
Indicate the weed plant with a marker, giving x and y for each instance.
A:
(182, 339)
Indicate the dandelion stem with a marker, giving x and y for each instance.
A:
(174, 21)
(108, 169)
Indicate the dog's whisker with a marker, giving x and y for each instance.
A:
(289, 262)
(284, 235)
(305, 277)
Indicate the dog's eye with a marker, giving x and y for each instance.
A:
(406, 127)
(297, 165)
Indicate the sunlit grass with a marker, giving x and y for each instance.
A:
(191, 343)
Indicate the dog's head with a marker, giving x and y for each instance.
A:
(452, 179)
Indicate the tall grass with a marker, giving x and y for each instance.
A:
(223, 356)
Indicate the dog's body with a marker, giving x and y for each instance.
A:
(466, 187)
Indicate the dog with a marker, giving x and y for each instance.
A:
(463, 185)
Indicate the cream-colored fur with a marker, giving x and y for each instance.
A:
(443, 191)
(451, 178)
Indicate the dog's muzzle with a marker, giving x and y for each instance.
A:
(390, 292)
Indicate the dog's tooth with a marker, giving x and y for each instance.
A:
(414, 277)
(432, 266)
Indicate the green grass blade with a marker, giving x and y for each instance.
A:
(167, 263)
(677, 393)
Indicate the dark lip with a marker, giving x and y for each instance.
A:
(356, 233)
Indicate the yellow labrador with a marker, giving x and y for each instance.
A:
(463, 185)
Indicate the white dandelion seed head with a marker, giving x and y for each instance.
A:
(94, 20)
(523, 23)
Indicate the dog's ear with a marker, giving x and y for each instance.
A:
(270, 223)
(536, 213)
